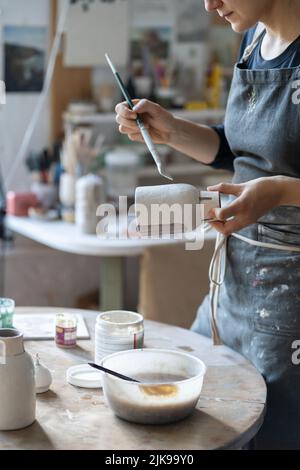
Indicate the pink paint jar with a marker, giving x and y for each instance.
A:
(66, 330)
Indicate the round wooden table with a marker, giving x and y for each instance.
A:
(229, 413)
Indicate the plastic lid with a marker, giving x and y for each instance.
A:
(84, 376)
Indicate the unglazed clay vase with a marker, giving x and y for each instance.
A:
(17, 382)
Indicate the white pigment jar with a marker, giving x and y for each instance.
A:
(118, 330)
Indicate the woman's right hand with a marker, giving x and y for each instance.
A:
(159, 122)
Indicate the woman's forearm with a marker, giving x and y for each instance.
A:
(195, 140)
(290, 190)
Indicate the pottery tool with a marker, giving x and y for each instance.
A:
(112, 372)
(210, 200)
(140, 123)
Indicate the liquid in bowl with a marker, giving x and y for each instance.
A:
(161, 397)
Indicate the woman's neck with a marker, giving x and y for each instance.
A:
(282, 21)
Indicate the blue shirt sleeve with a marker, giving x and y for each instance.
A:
(225, 157)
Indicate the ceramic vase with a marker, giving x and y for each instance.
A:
(17, 382)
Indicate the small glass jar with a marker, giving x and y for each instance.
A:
(7, 308)
(118, 330)
(66, 330)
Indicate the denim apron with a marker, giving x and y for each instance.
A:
(258, 304)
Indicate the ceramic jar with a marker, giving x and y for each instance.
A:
(17, 382)
(89, 195)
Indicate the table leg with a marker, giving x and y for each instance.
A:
(111, 283)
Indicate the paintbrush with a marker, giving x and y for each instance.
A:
(140, 123)
(112, 372)
(212, 220)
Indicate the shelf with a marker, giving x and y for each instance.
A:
(107, 118)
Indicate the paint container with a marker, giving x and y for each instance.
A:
(66, 330)
(116, 331)
(7, 308)
(17, 204)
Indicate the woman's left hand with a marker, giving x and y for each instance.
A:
(253, 200)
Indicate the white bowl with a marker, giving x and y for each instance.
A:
(169, 388)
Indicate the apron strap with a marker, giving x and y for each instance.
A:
(216, 278)
(260, 30)
(217, 271)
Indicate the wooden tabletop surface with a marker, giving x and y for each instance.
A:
(229, 413)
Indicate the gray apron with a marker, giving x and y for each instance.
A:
(258, 307)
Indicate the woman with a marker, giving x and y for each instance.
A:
(259, 302)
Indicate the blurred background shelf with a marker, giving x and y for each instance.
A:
(184, 168)
(175, 169)
(106, 118)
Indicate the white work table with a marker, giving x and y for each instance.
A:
(66, 237)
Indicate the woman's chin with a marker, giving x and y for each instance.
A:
(240, 26)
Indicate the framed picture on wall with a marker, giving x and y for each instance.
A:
(192, 21)
(25, 58)
(150, 41)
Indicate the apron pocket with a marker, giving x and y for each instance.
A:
(276, 328)
(283, 235)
